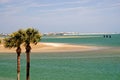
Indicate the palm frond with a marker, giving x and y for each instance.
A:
(9, 43)
(15, 39)
(33, 36)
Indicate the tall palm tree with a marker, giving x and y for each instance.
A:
(32, 36)
(15, 40)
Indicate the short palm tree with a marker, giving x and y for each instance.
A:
(15, 40)
(32, 36)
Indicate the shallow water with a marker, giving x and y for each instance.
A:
(96, 40)
(64, 66)
(89, 65)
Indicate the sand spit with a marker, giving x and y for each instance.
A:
(52, 47)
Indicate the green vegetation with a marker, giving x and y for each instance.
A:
(15, 40)
(32, 36)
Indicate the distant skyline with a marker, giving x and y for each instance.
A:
(60, 15)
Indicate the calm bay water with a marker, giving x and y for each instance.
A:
(89, 65)
(97, 40)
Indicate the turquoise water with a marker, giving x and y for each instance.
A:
(86, 40)
(89, 65)
(65, 66)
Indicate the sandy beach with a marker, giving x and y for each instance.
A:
(51, 47)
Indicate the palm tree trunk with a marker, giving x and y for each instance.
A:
(28, 48)
(18, 50)
(28, 67)
(18, 66)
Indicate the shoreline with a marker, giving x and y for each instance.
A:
(53, 47)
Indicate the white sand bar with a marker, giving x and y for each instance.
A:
(52, 47)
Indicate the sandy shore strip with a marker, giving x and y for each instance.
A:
(52, 47)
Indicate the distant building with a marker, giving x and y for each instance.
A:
(3, 34)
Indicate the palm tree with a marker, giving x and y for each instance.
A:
(32, 36)
(0, 41)
(15, 40)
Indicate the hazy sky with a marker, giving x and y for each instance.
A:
(60, 15)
